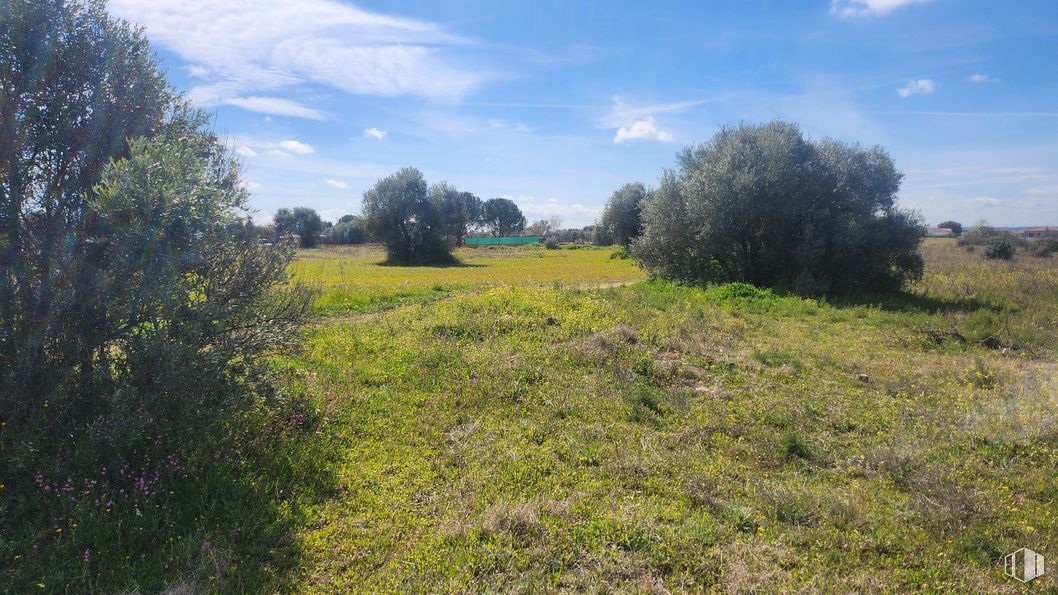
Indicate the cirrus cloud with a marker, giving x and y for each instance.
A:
(865, 8)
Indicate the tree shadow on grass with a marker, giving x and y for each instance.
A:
(443, 263)
(902, 301)
(219, 514)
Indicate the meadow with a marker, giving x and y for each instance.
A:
(551, 420)
(351, 278)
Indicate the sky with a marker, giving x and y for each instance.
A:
(555, 104)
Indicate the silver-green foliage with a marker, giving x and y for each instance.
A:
(765, 205)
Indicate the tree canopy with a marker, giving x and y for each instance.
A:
(763, 204)
(303, 222)
(954, 226)
(502, 217)
(621, 219)
(126, 264)
(416, 223)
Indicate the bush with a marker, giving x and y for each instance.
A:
(551, 244)
(621, 253)
(763, 205)
(982, 235)
(1045, 248)
(999, 249)
(137, 309)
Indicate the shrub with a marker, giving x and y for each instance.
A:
(982, 235)
(551, 244)
(999, 249)
(137, 309)
(621, 253)
(1045, 248)
(762, 204)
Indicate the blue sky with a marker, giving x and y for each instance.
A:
(557, 103)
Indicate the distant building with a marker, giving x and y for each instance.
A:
(1038, 232)
(509, 241)
(939, 232)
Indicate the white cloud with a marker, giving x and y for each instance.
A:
(622, 114)
(273, 105)
(981, 78)
(375, 133)
(636, 122)
(572, 214)
(284, 148)
(295, 147)
(242, 150)
(916, 87)
(645, 129)
(863, 8)
(501, 125)
(248, 52)
(333, 215)
(337, 184)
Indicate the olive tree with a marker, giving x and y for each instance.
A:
(458, 211)
(128, 274)
(303, 222)
(763, 204)
(501, 217)
(621, 218)
(954, 226)
(417, 224)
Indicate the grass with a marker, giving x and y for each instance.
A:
(541, 420)
(516, 436)
(352, 280)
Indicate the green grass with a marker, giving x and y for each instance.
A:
(352, 280)
(543, 420)
(653, 437)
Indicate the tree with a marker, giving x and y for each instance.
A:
(458, 211)
(954, 226)
(544, 227)
(303, 222)
(501, 217)
(764, 205)
(417, 224)
(348, 230)
(621, 217)
(129, 276)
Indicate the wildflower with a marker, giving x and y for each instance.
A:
(87, 556)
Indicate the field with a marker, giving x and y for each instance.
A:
(545, 420)
(500, 428)
(352, 280)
